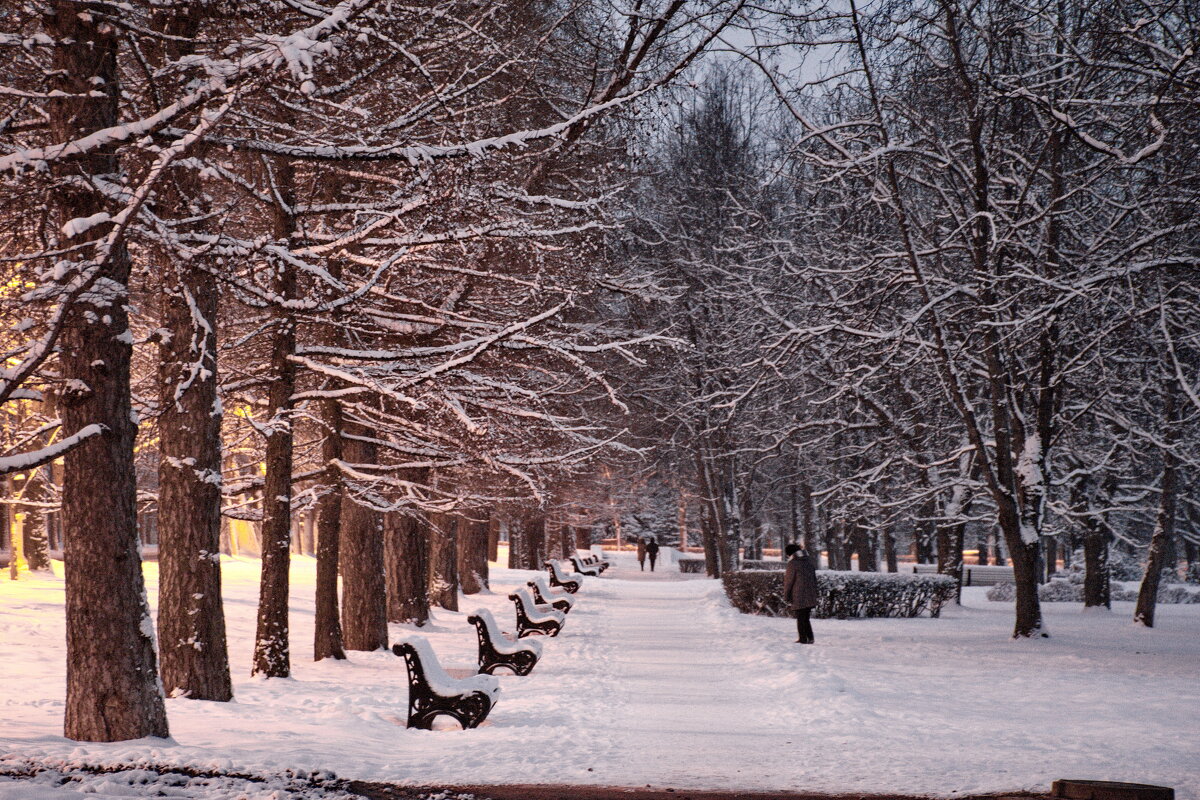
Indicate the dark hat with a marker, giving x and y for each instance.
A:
(791, 549)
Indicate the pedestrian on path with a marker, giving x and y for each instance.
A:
(642, 554)
(800, 589)
(652, 551)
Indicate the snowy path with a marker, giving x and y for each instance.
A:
(655, 680)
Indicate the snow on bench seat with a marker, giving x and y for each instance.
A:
(497, 650)
(432, 693)
(544, 595)
(534, 619)
(570, 583)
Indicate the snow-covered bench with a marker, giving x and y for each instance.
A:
(543, 596)
(591, 570)
(497, 650)
(973, 574)
(432, 693)
(568, 583)
(532, 618)
(593, 560)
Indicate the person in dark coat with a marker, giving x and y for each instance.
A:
(800, 589)
(652, 552)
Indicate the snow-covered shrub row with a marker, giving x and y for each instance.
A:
(764, 564)
(844, 595)
(1070, 592)
(691, 565)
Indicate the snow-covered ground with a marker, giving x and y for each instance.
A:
(655, 680)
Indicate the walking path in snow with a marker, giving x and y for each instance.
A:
(655, 680)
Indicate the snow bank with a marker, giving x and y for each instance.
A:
(661, 682)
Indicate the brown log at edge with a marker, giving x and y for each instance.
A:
(112, 691)
(1109, 790)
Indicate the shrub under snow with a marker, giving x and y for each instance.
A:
(1058, 591)
(691, 564)
(764, 564)
(844, 595)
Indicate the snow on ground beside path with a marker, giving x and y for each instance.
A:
(655, 680)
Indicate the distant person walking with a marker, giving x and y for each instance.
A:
(800, 589)
(642, 553)
(652, 551)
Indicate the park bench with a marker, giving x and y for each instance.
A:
(568, 583)
(592, 570)
(432, 693)
(543, 596)
(592, 559)
(532, 618)
(497, 650)
(973, 575)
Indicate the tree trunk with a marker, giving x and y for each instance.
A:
(112, 690)
(712, 561)
(493, 538)
(1164, 524)
(889, 551)
(327, 627)
(583, 538)
(361, 562)
(36, 528)
(1096, 585)
(516, 542)
(566, 545)
(472, 554)
(272, 654)
(14, 517)
(443, 561)
(406, 542)
(867, 561)
(191, 620)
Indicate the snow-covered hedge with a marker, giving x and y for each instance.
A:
(1069, 592)
(764, 564)
(691, 564)
(844, 595)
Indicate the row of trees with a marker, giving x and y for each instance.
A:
(305, 256)
(947, 290)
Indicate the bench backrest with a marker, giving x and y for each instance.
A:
(424, 670)
(560, 576)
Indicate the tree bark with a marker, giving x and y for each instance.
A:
(112, 690)
(272, 655)
(583, 538)
(406, 550)
(889, 551)
(516, 542)
(867, 560)
(361, 561)
(327, 629)
(194, 657)
(472, 555)
(443, 561)
(191, 619)
(1164, 524)
(493, 538)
